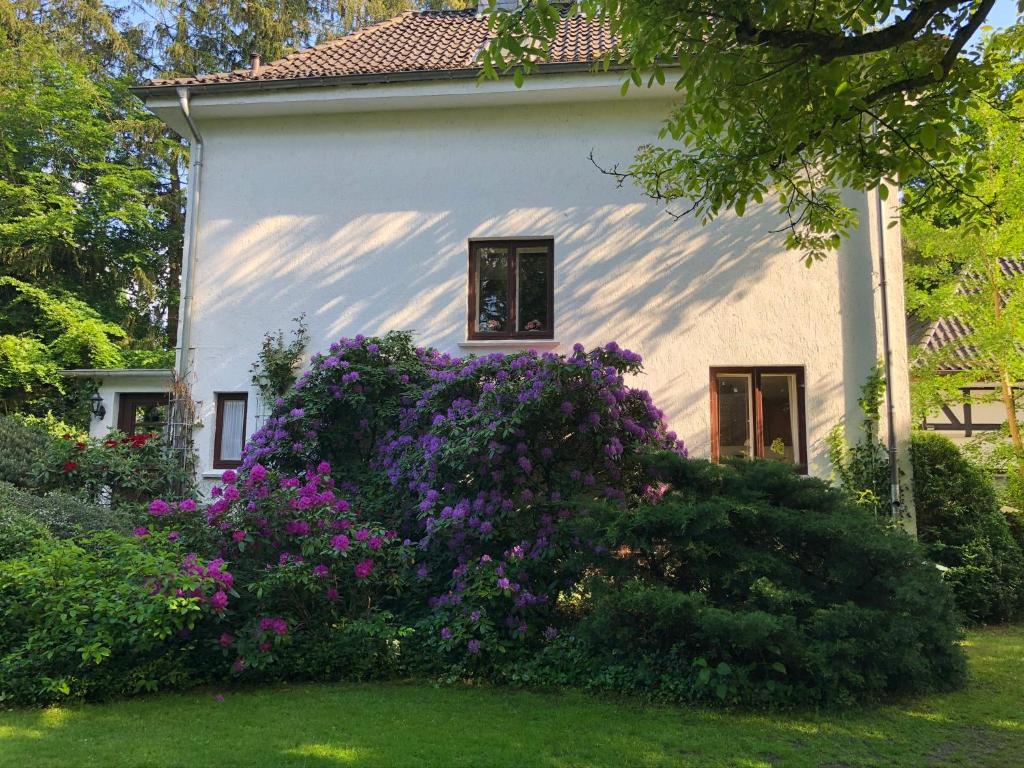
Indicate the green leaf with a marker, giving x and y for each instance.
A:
(927, 136)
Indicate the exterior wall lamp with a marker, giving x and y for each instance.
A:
(96, 405)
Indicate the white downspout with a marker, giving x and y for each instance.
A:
(195, 178)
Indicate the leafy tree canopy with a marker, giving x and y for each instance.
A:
(958, 269)
(791, 100)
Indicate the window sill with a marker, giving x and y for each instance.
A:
(512, 344)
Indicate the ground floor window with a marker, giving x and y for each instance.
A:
(758, 412)
(229, 438)
(142, 413)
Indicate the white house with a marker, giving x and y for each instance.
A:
(373, 183)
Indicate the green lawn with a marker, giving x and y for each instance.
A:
(417, 725)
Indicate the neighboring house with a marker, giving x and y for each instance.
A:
(980, 410)
(373, 183)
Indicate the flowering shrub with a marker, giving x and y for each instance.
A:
(117, 469)
(103, 615)
(473, 462)
(301, 558)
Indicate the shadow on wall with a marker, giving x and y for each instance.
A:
(686, 297)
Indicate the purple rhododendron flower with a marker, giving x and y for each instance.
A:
(340, 542)
(375, 543)
(226, 639)
(188, 505)
(364, 568)
(159, 507)
(332, 594)
(141, 531)
(473, 646)
(238, 536)
(362, 534)
(321, 571)
(219, 600)
(446, 634)
(258, 473)
(229, 476)
(173, 536)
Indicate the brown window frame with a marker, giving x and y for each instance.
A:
(221, 398)
(756, 372)
(512, 245)
(127, 402)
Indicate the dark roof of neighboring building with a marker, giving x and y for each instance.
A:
(946, 331)
(421, 42)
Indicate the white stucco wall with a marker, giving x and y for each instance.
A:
(112, 384)
(361, 221)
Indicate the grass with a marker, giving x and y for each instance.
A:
(394, 725)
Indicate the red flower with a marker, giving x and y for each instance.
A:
(70, 466)
(80, 446)
(110, 443)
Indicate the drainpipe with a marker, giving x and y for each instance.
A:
(895, 500)
(195, 178)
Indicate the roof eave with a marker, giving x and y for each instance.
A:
(146, 92)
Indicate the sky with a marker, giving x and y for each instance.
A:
(1003, 14)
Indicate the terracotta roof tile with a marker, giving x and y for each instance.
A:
(416, 41)
(952, 331)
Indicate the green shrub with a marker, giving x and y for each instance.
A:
(105, 615)
(750, 585)
(62, 513)
(962, 527)
(19, 532)
(24, 449)
(117, 470)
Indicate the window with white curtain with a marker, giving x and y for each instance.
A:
(230, 437)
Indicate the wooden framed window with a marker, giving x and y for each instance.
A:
(759, 413)
(229, 438)
(511, 289)
(142, 413)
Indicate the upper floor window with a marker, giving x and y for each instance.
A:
(511, 289)
(759, 413)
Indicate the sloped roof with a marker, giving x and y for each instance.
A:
(413, 42)
(947, 331)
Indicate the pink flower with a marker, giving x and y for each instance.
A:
(323, 468)
(231, 493)
(362, 534)
(159, 507)
(364, 568)
(374, 543)
(188, 505)
(229, 476)
(141, 531)
(219, 600)
(238, 536)
(238, 667)
(258, 473)
(340, 542)
(332, 594)
(226, 639)
(321, 571)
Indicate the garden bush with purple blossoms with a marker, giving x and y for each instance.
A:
(529, 519)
